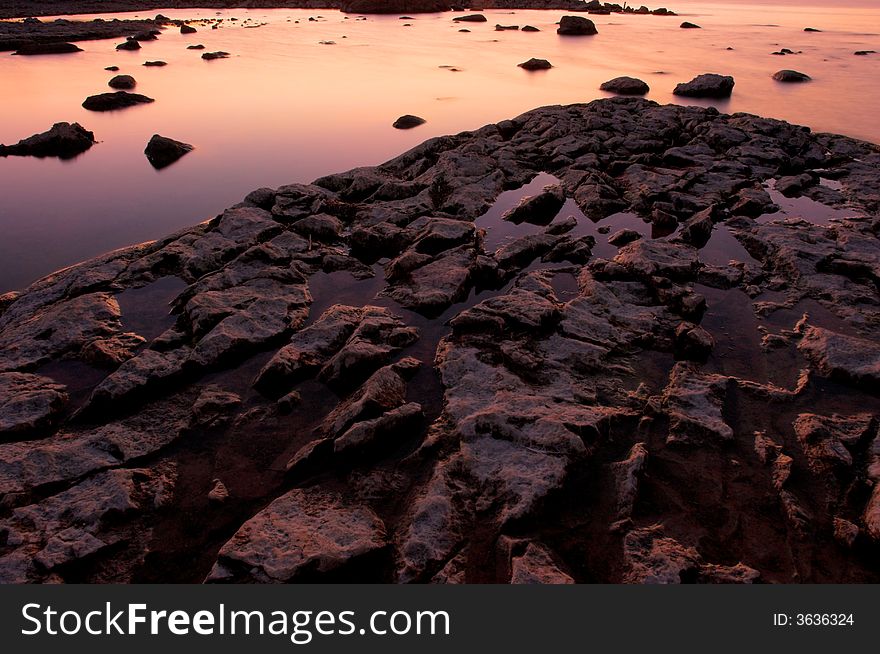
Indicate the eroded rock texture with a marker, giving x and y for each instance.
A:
(441, 370)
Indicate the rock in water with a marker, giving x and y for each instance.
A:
(124, 82)
(708, 85)
(408, 121)
(130, 44)
(64, 140)
(791, 76)
(393, 6)
(472, 18)
(162, 151)
(47, 48)
(188, 29)
(219, 54)
(689, 26)
(113, 101)
(155, 64)
(576, 26)
(625, 86)
(535, 64)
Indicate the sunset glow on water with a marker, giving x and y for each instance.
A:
(286, 108)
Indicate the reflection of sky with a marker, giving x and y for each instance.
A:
(285, 108)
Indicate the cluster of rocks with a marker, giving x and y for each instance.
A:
(358, 388)
(33, 36)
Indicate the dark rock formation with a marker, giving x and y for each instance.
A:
(708, 85)
(689, 26)
(113, 101)
(162, 151)
(471, 18)
(576, 26)
(130, 44)
(536, 64)
(47, 48)
(63, 140)
(392, 383)
(155, 64)
(122, 82)
(625, 86)
(219, 54)
(791, 76)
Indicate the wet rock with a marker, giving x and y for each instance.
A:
(692, 342)
(471, 18)
(218, 54)
(162, 151)
(114, 101)
(28, 403)
(535, 64)
(790, 76)
(113, 351)
(689, 26)
(188, 29)
(576, 26)
(653, 257)
(538, 209)
(123, 82)
(63, 140)
(625, 86)
(530, 28)
(624, 236)
(306, 531)
(213, 407)
(694, 400)
(195, 46)
(155, 64)
(130, 44)
(849, 358)
(708, 85)
(408, 121)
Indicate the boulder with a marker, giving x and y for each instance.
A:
(535, 64)
(791, 76)
(576, 26)
(162, 151)
(471, 18)
(219, 54)
(122, 82)
(708, 85)
(625, 86)
(689, 26)
(130, 44)
(538, 209)
(188, 29)
(408, 121)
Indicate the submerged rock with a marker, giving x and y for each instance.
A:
(408, 121)
(63, 140)
(791, 76)
(47, 49)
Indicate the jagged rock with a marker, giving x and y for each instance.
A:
(535, 566)
(306, 531)
(218, 493)
(627, 476)
(63, 140)
(162, 151)
(694, 401)
(623, 237)
(692, 342)
(852, 359)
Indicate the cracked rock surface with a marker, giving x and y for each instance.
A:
(440, 370)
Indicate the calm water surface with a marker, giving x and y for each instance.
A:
(286, 108)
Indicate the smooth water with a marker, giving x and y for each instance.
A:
(286, 108)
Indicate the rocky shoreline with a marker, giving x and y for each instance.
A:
(360, 380)
(24, 8)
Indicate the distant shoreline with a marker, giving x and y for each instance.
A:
(27, 8)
